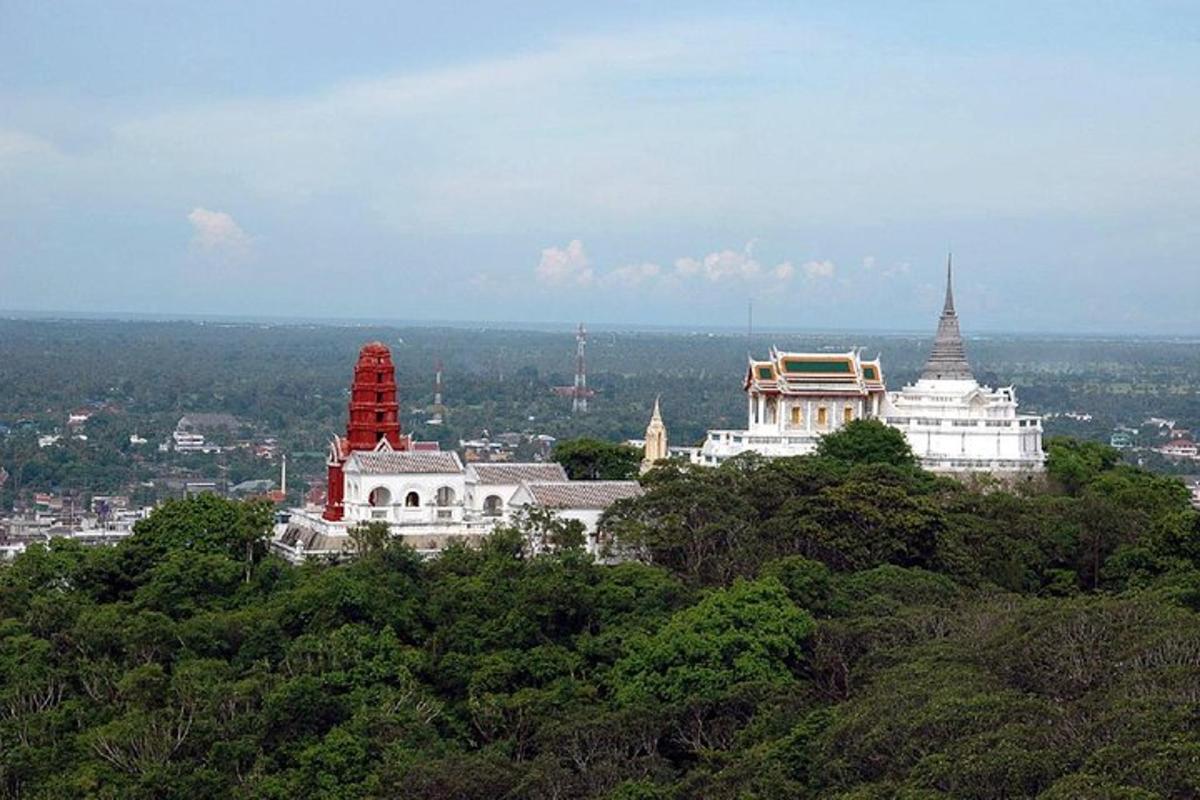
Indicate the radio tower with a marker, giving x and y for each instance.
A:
(439, 410)
(579, 403)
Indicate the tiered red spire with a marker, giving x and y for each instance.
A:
(374, 418)
(374, 410)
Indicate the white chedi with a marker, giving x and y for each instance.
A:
(954, 424)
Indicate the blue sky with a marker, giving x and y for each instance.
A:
(626, 163)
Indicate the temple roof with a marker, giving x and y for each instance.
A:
(948, 358)
(790, 372)
(512, 473)
(391, 462)
(581, 494)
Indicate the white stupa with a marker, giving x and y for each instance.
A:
(954, 424)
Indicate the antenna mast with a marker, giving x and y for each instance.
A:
(579, 403)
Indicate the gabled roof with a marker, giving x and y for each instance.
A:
(499, 473)
(581, 494)
(403, 463)
(791, 372)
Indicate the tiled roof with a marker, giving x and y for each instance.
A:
(311, 539)
(499, 473)
(405, 463)
(581, 494)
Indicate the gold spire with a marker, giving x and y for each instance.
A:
(655, 448)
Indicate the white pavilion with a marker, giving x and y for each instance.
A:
(793, 399)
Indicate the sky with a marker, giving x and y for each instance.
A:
(619, 163)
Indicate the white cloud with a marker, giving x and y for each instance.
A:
(869, 262)
(563, 265)
(720, 265)
(571, 266)
(218, 232)
(634, 274)
(818, 269)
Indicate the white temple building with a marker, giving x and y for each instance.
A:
(954, 424)
(426, 497)
(431, 500)
(793, 399)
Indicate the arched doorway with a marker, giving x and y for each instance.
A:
(379, 496)
(412, 500)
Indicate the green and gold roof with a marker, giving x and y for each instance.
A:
(789, 373)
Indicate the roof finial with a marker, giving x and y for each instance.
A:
(656, 414)
(948, 308)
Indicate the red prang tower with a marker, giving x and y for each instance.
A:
(374, 422)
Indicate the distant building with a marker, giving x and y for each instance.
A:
(1179, 448)
(793, 399)
(252, 487)
(208, 421)
(952, 423)
(185, 441)
(655, 447)
(1121, 440)
(429, 498)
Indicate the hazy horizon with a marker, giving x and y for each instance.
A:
(555, 326)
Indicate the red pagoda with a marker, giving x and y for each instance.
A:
(374, 422)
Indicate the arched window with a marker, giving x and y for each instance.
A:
(412, 500)
(491, 505)
(380, 497)
(445, 496)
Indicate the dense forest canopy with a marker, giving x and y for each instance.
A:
(843, 625)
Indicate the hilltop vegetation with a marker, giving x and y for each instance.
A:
(838, 626)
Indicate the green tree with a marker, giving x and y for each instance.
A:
(587, 459)
(369, 538)
(748, 633)
(867, 441)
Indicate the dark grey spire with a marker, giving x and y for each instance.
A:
(948, 308)
(948, 358)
